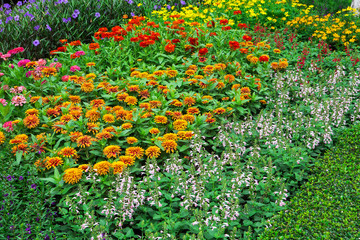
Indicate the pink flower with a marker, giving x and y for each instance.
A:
(41, 62)
(1, 74)
(75, 68)
(65, 78)
(3, 102)
(5, 87)
(5, 56)
(57, 65)
(79, 53)
(16, 50)
(22, 63)
(29, 73)
(8, 126)
(11, 66)
(18, 100)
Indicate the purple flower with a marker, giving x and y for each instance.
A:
(168, 7)
(9, 178)
(74, 15)
(16, 18)
(183, 2)
(7, 6)
(132, 14)
(97, 14)
(36, 27)
(8, 19)
(66, 20)
(155, 7)
(76, 11)
(7, 12)
(48, 27)
(1, 22)
(130, 2)
(19, 3)
(36, 42)
(21, 178)
(33, 186)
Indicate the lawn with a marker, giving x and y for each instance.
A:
(179, 120)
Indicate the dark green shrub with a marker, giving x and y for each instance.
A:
(327, 207)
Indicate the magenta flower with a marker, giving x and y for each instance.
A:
(16, 50)
(79, 53)
(18, 100)
(11, 66)
(8, 126)
(22, 63)
(1, 74)
(57, 65)
(3, 102)
(65, 78)
(75, 68)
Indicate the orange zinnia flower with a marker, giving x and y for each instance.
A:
(136, 152)
(153, 152)
(111, 151)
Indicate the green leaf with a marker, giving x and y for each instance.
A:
(49, 180)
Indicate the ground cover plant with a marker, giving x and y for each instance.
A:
(179, 125)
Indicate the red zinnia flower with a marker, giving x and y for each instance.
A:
(264, 58)
(170, 48)
(234, 45)
(203, 51)
(224, 22)
(247, 38)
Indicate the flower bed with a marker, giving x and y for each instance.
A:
(187, 125)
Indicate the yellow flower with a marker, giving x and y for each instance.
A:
(118, 167)
(102, 168)
(154, 131)
(136, 152)
(67, 152)
(72, 175)
(112, 151)
(128, 160)
(169, 145)
(161, 119)
(180, 124)
(2, 137)
(109, 118)
(153, 152)
(131, 140)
